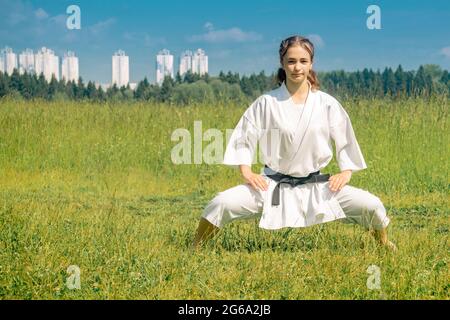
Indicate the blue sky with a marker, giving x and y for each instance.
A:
(241, 36)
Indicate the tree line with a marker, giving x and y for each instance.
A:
(195, 88)
(428, 79)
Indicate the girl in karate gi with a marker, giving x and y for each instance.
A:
(294, 125)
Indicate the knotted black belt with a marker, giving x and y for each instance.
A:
(293, 182)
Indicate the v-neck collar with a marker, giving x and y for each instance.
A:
(289, 96)
(303, 122)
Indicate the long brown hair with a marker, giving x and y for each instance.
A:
(306, 44)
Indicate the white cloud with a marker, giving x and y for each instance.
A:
(228, 35)
(131, 36)
(88, 34)
(101, 26)
(16, 18)
(59, 20)
(222, 54)
(34, 27)
(316, 40)
(144, 38)
(445, 52)
(41, 14)
(13, 12)
(209, 26)
(150, 41)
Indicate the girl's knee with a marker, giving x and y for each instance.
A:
(223, 200)
(376, 213)
(218, 210)
(232, 204)
(375, 203)
(366, 209)
(214, 210)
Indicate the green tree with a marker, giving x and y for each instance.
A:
(41, 87)
(445, 80)
(80, 91)
(4, 87)
(246, 86)
(127, 93)
(28, 86)
(15, 82)
(166, 88)
(52, 88)
(389, 85)
(112, 91)
(409, 82)
(205, 77)
(154, 93)
(434, 71)
(101, 95)
(232, 78)
(222, 76)
(178, 79)
(400, 81)
(423, 82)
(91, 91)
(141, 92)
(71, 89)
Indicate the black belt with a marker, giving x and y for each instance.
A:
(293, 182)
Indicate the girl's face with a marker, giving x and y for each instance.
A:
(297, 64)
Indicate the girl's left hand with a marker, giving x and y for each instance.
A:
(338, 181)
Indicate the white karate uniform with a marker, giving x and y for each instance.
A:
(295, 139)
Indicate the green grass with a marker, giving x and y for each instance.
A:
(94, 186)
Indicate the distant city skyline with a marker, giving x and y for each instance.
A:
(46, 62)
(238, 36)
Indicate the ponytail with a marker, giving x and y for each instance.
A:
(314, 80)
(281, 76)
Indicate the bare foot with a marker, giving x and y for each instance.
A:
(382, 239)
(390, 246)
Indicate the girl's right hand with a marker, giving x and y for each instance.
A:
(255, 180)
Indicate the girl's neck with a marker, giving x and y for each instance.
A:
(297, 89)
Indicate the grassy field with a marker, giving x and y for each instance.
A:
(94, 186)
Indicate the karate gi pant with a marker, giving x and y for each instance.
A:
(244, 202)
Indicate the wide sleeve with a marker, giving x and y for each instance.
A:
(242, 145)
(348, 153)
